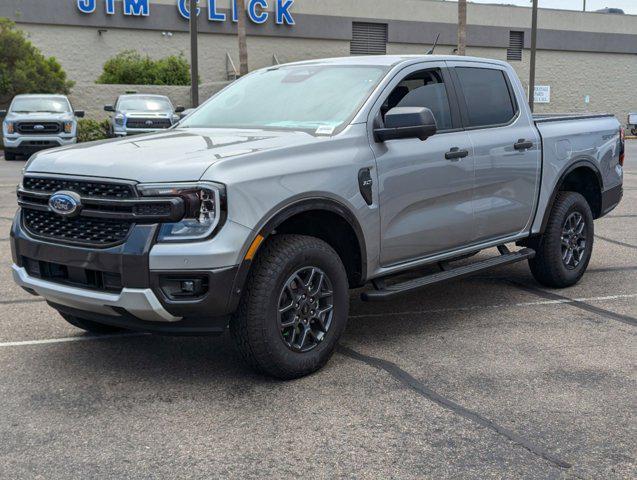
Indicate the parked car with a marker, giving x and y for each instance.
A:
(37, 122)
(632, 123)
(262, 208)
(141, 113)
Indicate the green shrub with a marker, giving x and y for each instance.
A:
(130, 68)
(91, 130)
(23, 68)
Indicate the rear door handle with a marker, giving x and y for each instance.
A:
(522, 144)
(456, 153)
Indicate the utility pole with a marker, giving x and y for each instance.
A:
(584, 9)
(533, 51)
(194, 56)
(462, 27)
(242, 36)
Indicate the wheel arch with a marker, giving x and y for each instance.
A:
(576, 178)
(293, 218)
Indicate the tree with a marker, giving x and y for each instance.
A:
(23, 68)
(462, 27)
(129, 67)
(242, 36)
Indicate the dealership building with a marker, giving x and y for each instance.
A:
(585, 61)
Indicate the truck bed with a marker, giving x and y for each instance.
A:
(569, 139)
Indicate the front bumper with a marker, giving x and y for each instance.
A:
(34, 143)
(138, 301)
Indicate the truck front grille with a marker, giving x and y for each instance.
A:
(148, 123)
(95, 189)
(39, 128)
(100, 232)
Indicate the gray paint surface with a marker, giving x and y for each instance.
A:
(166, 17)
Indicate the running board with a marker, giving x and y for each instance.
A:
(391, 291)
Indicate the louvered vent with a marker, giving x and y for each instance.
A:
(516, 44)
(368, 38)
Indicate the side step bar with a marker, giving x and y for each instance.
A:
(391, 291)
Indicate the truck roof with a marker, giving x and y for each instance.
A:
(393, 60)
(40, 95)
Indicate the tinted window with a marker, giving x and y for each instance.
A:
(422, 89)
(487, 96)
(40, 104)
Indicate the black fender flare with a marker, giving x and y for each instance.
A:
(578, 164)
(283, 212)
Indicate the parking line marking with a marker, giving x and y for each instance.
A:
(616, 242)
(420, 388)
(69, 339)
(578, 303)
(21, 300)
(553, 301)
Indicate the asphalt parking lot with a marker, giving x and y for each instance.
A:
(489, 377)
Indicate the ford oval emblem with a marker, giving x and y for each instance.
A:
(67, 204)
(38, 127)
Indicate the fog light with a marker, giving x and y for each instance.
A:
(182, 288)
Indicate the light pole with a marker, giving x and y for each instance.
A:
(533, 50)
(194, 56)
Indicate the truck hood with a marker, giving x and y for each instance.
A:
(146, 114)
(173, 155)
(39, 117)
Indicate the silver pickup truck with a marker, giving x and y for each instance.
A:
(38, 122)
(263, 207)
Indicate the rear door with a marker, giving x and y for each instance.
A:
(506, 148)
(425, 198)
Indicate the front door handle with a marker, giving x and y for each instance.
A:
(522, 144)
(455, 153)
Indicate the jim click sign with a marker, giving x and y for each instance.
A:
(256, 9)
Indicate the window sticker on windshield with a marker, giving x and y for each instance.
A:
(325, 130)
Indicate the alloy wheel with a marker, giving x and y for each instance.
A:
(573, 240)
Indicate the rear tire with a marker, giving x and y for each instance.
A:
(565, 248)
(90, 326)
(294, 307)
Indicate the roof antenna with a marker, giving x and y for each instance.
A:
(431, 52)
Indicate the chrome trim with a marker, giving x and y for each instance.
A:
(140, 302)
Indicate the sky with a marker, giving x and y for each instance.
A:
(629, 6)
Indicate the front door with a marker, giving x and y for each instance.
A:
(425, 188)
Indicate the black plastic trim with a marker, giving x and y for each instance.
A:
(611, 198)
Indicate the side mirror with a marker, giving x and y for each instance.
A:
(109, 108)
(185, 113)
(179, 109)
(79, 113)
(407, 122)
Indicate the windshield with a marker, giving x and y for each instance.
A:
(146, 104)
(40, 104)
(308, 97)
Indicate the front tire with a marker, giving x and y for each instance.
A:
(294, 307)
(565, 248)
(9, 156)
(90, 326)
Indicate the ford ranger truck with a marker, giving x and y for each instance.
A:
(262, 208)
(37, 122)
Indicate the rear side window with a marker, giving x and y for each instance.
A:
(486, 95)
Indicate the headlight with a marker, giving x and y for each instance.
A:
(119, 120)
(68, 127)
(203, 209)
(10, 127)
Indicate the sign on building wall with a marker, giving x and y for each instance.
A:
(256, 9)
(542, 94)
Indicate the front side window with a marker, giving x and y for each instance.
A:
(145, 104)
(486, 95)
(296, 97)
(40, 105)
(422, 89)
